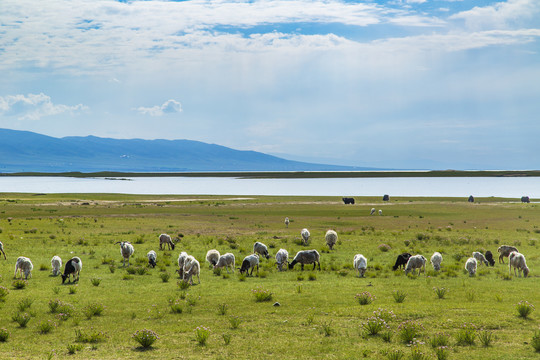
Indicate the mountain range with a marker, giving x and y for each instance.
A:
(24, 151)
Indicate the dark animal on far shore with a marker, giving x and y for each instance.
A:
(348, 200)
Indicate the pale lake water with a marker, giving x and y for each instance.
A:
(508, 187)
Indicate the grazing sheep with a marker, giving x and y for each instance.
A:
(56, 264)
(348, 200)
(380, 212)
(191, 267)
(416, 262)
(287, 222)
(250, 262)
(401, 261)
(360, 264)
(489, 258)
(504, 251)
(152, 257)
(436, 260)
(372, 211)
(305, 236)
(517, 261)
(386, 197)
(23, 264)
(470, 266)
(225, 261)
(480, 258)
(212, 256)
(181, 261)
(73, 266)
(282, 257)
(2, 250)
(261, 249)
(165, 239)
(331, 238)
(305, 257)
(126, 249)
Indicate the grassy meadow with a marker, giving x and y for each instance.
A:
(320, 315)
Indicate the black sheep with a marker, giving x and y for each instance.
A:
(401, 261)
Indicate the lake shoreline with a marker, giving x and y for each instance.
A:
(290, 174)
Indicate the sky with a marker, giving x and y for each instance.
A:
(403, 84)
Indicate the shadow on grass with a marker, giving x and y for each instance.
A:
(144, 349)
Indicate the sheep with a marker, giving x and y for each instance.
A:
(306, 257)
(305, 236)
(191, 267)
(372, 211)
(504, 251)
(73, 266)
(416, 262)
(181, 261)
(470, 266)
(56, 264)
(517, 261)
(436, 260)
(401, 261)
(152, 257)
(380, 212)
(360, 264)
(212, 256)
(225, 261)
(2, 250)
(23, 264)
(165, 239)
(282, 257)
(261, 249)
(331, 238)
(126, 249)
(489, 258)
(250, 262)
(480, 258)
(287, 222)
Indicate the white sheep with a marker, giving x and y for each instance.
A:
(471, 265)
(360, 264)
(436, 260)
(517, 261)
(56, 264)
(261, 249)
(191, 267)
(226, 260)
(23, 264)
(331, 238)
(380, 212)
(212, 256)
(287, 222)
(480, 258)
(181, 261)
(2, 250)
(282, 257)
(165, 239)
(250, 262)
(372, 211)
(152, 258)
(305, 236)
(416, 262)
(126, 249)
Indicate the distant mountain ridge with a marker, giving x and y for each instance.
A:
(25, 151)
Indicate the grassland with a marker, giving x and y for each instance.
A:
(319, 316)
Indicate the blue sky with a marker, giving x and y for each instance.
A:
(438, 84)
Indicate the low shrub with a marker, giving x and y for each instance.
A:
(524, 308)
(409, 330)
(21, 318)
(4, 335)
(19, 284)
(46, 326)
(364, 298)
(399, 296)
(202, 334)
(146, 338)
(466, 335)
(95, 309)
(535, 342)
(91, 337)
(95, 281)
(261, 294)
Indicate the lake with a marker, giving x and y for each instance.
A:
(509, 187)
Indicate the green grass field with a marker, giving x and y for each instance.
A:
(319, 316)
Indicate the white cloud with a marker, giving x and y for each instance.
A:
(168, 107)
(34, 106)
(500, 15)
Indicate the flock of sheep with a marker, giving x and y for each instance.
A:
(188, 266)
